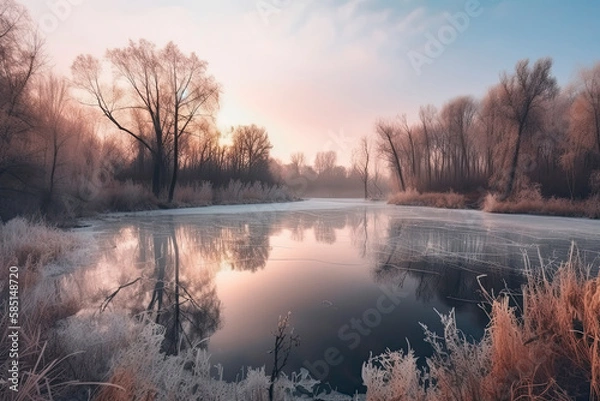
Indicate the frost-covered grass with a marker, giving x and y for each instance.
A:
(130, 197)
(445, 200)
(123, 197)
(528, 201)
(237, 192)
(549, 350)
(197, 194)
(141, 372)
(531, 202)
(33, 247)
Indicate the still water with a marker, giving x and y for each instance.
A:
(358, 277)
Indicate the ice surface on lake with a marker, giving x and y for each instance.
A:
(357, 275)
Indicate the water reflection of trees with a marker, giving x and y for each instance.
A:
(323, 224)
(173, 292)
(446, 263)
(365, 230)
(176, 261)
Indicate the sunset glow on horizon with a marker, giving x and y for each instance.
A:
(308, 71)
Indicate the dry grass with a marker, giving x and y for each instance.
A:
(92, 338)
(41, 374)
(141, 372)
(549, 350)
(33, 247)
(531, 202)
(197, 194)
(123, 387)
(446, 200)
(237, 192)
(124, 197)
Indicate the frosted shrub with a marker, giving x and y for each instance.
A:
(142, 372)
(124, 197)
(91, 339)
(533, 194)
(236, 192)
(458, 366)
(592, 207)
(254, 192)
(454, 372)
(196, 194)
(393, 376)
(490, 203)
(531, 202)
(231, 193)
(412, 197)
(152, 374)
(34, 245)
(549, 352)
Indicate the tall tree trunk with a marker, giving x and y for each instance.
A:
(397, 163)
(157, 173)
(175, 159)
(428, 159)
(513, 165)
(47, 200)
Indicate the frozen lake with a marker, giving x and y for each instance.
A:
(357, 276)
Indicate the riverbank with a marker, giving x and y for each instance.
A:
(545, 348)
(530, 202)
(131, 197)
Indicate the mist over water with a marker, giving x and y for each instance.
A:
(357, 276)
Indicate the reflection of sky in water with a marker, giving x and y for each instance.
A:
(238, 272)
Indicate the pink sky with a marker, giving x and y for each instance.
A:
(316, 74)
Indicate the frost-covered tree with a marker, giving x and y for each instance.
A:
(171, 90)
(523, 94)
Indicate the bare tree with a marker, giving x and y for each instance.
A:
(285, 340)
(388, 135)
(523, 94)
(298, 161)
(325, 162)
(428, 115)
(193, 94)
(457, 117)
(171, 90)
(408, 133)
(20, 60)
(53, 127)
(361, 163)
(491, 129)
(581, 159)
(585, 112)
(250, 151)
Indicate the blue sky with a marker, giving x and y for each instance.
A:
(318, 73)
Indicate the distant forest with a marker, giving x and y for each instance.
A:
(525, 134)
